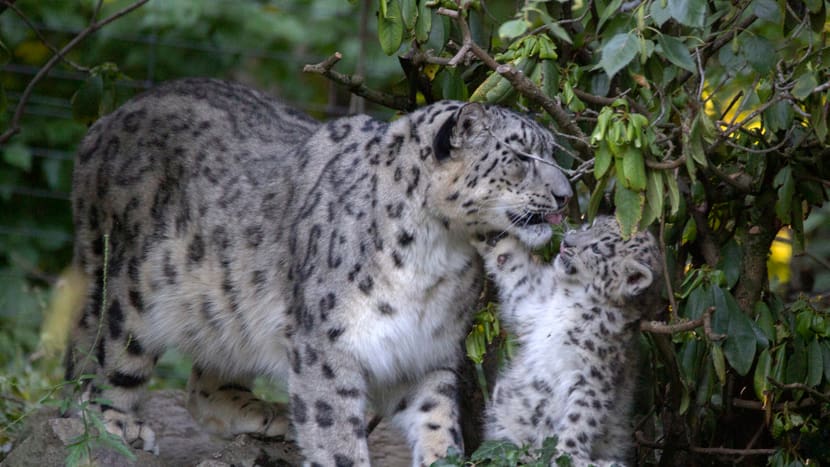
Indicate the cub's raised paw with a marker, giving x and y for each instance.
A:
(133, 431)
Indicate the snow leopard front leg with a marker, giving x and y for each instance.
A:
(328, 400)
(427, 412)
(511, 265)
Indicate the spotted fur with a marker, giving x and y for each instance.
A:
(577, 323)
(333, 257)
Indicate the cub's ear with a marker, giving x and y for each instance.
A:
(464, 125)
(637, 277)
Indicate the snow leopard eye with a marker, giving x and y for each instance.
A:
(595, 249)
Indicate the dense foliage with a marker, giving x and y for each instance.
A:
(703, 120)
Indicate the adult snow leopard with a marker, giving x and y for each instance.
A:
(332, 256)
(577, 323)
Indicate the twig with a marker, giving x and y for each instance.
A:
(707, 326)
(356, 84)
(5, 4)
(25, 19)
(757, 405)
(642, 441)
(657, 327)
(733, 451)
(666, 165)
(738, 180)
(14, 125)
(801, 387)
(721, 41)
(602, 100)
(521, 83)
(752, 441)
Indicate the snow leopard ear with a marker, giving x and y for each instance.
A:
(464, 125)
(637, 277)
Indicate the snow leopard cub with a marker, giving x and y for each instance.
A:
(576, 322)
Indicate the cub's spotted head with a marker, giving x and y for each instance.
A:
(495, 171)
(623, 271)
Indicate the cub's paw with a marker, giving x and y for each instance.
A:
(231, 412)
(496, 247)
(133, 431)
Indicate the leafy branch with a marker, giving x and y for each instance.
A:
(57, 57)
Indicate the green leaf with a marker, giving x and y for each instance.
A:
(730, 262)
(780, 364)
(739, 346)
(762, 371)
(825, 357)
(513, 28)
(86, 102)
(674, 192)
(490, 450)
(659, 12)
(693, 143)
(689, 232)
(606, 13)
(797, 363)
(815, 363)
(634, 168)
(718, 363)
(629, 211)
(764, 320)
(779, 116)
(786, 186)
(803, 323)
(560, 33)
(804, 86)
(720, 318)
(390, 27)
(654, 198)
(409, 12)
(699, 301)
(677, 52)
(759, 52)
(602, 160)
(452, 86)
(5, 55)
(690, 13)
(596, 197)
(18, 155)
(689, 360)
(768, 10)
(618, 52)
(424, 24)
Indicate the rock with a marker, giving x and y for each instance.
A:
(45, 440)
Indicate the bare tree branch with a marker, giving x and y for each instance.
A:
(14, 125)
(356, 84)
(642, 441)
(657, 327)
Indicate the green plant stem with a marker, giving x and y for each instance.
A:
(481, 378)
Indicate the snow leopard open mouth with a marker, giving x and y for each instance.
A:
(535, 218)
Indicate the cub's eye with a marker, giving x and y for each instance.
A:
(523, 156)
(595, 249)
